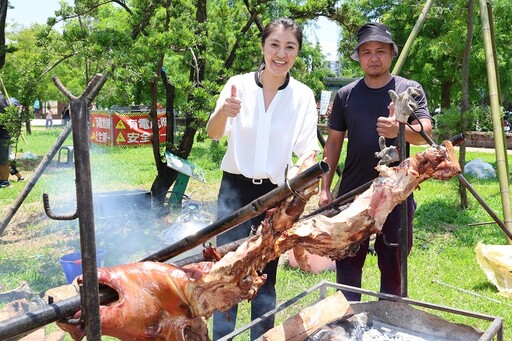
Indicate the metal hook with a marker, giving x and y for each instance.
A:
(388, 243)
(50, 214)
(295, 193)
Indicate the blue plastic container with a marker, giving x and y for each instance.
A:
(72, 263)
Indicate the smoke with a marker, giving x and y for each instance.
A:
(125, 224)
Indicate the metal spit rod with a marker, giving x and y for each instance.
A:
(459, 139)
(263, 203)
(404, 231)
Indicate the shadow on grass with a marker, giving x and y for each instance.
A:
(444, 217)
(485, 286)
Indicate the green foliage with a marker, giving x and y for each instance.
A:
(11, 120)
(481, 118)
(448, 122)
(311, 68)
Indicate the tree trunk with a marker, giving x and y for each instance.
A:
(167, 176)
(3, 16)
(446, 93)
(465, 98)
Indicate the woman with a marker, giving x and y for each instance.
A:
(49, 117)
(267, 115)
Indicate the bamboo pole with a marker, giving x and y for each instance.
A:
(496, 67)
(405, 50)
(496, 117)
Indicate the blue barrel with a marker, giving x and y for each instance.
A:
(72, 263)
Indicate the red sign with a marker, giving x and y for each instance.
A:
(125, 129)
(101, 128)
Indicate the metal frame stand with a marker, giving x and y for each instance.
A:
(495, 327)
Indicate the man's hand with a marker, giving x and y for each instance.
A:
(325, 197)
(388, 126)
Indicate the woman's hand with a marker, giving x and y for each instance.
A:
(217, 122)
(232, 105)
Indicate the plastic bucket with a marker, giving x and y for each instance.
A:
(72, 263)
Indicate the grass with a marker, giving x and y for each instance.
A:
(442, 268)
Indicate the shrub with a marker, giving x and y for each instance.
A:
(448, 123)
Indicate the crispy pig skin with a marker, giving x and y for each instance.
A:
(151, 303)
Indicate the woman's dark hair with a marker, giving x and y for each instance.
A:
(288, 24)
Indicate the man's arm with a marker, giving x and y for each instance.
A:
(331, 155)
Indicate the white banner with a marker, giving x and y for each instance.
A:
(324, 102)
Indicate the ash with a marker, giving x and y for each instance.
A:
(360, 328)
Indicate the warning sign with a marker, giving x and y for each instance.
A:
(112, 128)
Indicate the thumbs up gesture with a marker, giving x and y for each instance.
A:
(232, 105)
(388, 126)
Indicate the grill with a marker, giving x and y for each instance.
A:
(389, 318)
(121, 203)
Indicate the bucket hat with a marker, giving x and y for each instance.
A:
(373, 32)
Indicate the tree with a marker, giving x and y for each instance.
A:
(465, 105)
(3, 15)
(179, 51)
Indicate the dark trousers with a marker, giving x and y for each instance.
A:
(349, 270)
(236, 192)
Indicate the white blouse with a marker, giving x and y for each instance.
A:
(261, 143)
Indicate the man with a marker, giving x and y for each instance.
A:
(66, 116)
(362, 110)
(5, 140)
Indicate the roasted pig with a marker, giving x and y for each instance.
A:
(166, 302)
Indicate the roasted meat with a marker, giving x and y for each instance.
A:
(152, 304)
(339, 236)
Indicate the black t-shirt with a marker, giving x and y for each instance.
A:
(355, 109)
